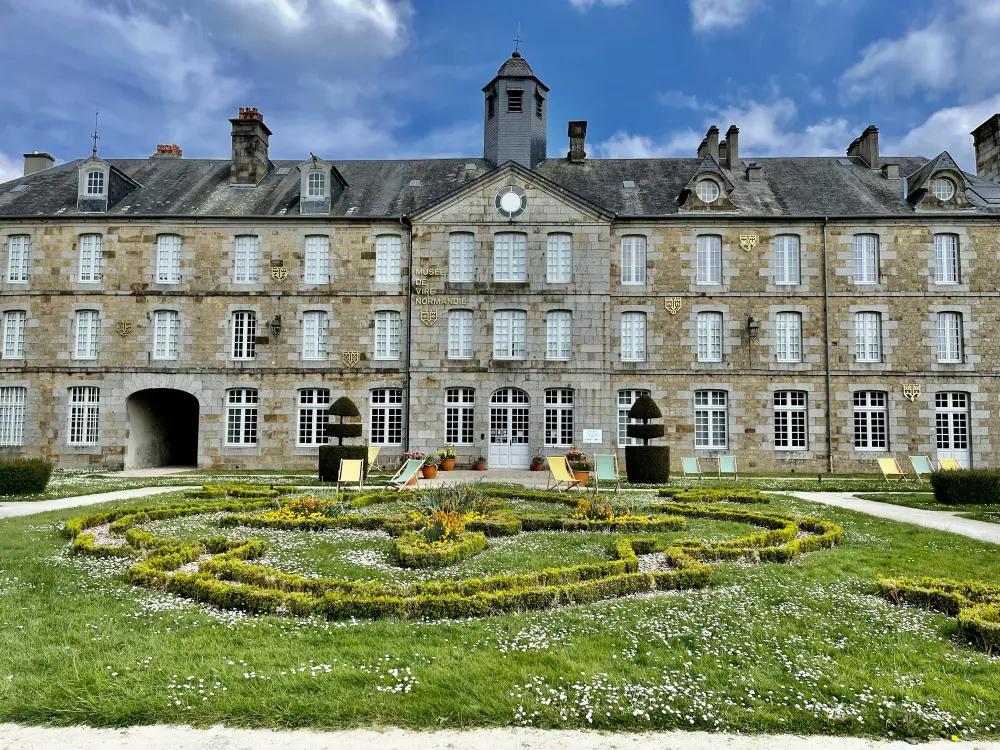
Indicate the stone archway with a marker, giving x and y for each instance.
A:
(162, 429)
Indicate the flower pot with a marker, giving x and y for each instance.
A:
(537, 467)
(447, 464)
(582, 476)
(479, 466)
(429, 472)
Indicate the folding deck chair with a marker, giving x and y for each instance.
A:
(606, 470)
(890, 469)
(373, 451)
(692, 468)
(949, 464)
(351, 471)
(559, 474)
(921, 466)
(727, 466)
(407, 473)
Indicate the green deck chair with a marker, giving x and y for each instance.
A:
(727, 467)
(407, 473)
(606, 466)
(692, 468)
(921, 466)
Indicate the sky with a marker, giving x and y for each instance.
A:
(385, 79)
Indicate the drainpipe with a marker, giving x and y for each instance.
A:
(409, 335)
(826, 341)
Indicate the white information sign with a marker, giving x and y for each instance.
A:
(593, 436)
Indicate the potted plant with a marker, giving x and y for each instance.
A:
(480, 464)
(447, 456)
(537, 463)
(646, 464)
(579, 464)
(430, 468)
(331, 455)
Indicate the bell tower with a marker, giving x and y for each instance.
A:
(516, 115)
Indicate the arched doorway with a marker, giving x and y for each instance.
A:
(162, 429)
(509, 429)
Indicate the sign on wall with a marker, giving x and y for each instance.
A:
(593, 436)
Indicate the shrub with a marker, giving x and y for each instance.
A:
(699, 495)
(343, 408)
(414, 550)
(24, 476)
(647, 464)
(330, 457)
(970, 487)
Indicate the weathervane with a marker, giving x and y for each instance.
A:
(517, 39)
(94, 135)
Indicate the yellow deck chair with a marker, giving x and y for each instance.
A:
(949, 464)
(890, 469)
(373, 451)
(559, 474)
(351, 470)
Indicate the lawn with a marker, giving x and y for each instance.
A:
(793, 648)
(925, 501)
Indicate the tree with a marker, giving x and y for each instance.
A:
(343, 408)
(330, 456)
(644, 409)
(646, 464)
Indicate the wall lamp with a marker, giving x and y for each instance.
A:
(753, 327)
(275, 326)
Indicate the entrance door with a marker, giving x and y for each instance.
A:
(952, 426)
(509, 433)
(162, 429)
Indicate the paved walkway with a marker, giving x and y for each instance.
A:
(9, 510)
(932, 519)
(13, 737)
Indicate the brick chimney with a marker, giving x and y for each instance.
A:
(732, 159)
(577, 141)
(36, 161)
(250, 142)
(865, 146)
(167, 151)
(712, 142)
(987, 140)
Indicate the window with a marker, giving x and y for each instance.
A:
(241, 416)
(90, 258)
(12, 416)
(387, 416)
(786, 259)
(708, 257)
(559, 336)
(790, 421)
(461, 257)
(559, 259)
(709, 330)
(788, 335)
(314, 326)
(244, 335)
(317, 259)
(633, 337)
(711, 419)
(625, 401)
(314, 413)
(510, 257)
(168, 259)
(95, 183)
(707, 191)
(868, 337)
(870, 420)
(943, 189)
(387, 269)
(84, 415)
(946, 259)
(247, 259)
(491, 105)
(633, 260)
(460, 416)
(460, 334)
(949, 337)
(18, 248)
(13, 334)
(515, 100)
(316, 185)
(387, 335)
(866, 266)
(88, 328)
(510, 334)
(559, 417)
(166, 326)
(539, 105)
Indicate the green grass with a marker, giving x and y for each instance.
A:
(925, 501)
(802, 648)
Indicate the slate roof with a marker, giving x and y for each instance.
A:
(516, 66)
(798, 186)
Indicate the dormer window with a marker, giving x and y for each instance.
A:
(707, 191)
(316, 185)
(943, 189)
(95, 182)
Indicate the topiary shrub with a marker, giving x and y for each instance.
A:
(646, 464)
(330, 456)
(343, 408)
(24, 476)
(970, 487)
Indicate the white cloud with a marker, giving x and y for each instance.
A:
(948, 130)
(624, 145)
(10, 169)
(713, 15)
(587, 4)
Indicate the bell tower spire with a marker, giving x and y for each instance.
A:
(515, 118)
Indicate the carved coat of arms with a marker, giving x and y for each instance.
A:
(428, 316)
(123, 327)
(748, 241)
(911, 391)
(672, 305)
(350, 359)
(279, 273)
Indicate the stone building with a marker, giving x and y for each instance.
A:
(805, 314)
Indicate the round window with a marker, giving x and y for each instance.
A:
(943, 189)
(707, 191)
(511, 201)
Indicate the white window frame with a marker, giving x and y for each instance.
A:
(461, 257)
(949, 327)
(168, 259)
(87, 336)
(788, 336)
(510, 257)
(626, 398)
(709, 325)
(868, 336)
(84, 426)
(315, 324)
(704, 188)
(242, 416)
(385, 425)
(166, 334)
(316, 184)
(460, 416)
(12, 399)
(560, 421)
(633, 336)
(946, 251)
(313, 414)
(18, 258)
(95, 182)
(387, 335)
(559, 335)
(633, 260)
(943, 195)
(14, 322)
(246, 264)
(791, 420)
(460, 323)
(866, 259)
(711, 420)
(787, 260)
(871, 420)
(91, 251)
(244, 335)
(317, 266)
(559, 258)
(708, 259)
(510, 334)
(388, 259)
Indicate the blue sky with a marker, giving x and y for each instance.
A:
(402, 78)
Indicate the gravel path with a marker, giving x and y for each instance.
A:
(932, 519)
(13, 737)
(9, 510)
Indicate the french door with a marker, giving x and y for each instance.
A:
(509, 430)
(951, 422)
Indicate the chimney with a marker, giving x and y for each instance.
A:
(865, 146)
(712, 139)
(987, 140)
(703, 148)
(754, 172)
(577, 141)
(722, 153)
(250, 141)
(732, 158)
(167, 151)
(890, 171)
(36, 161)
